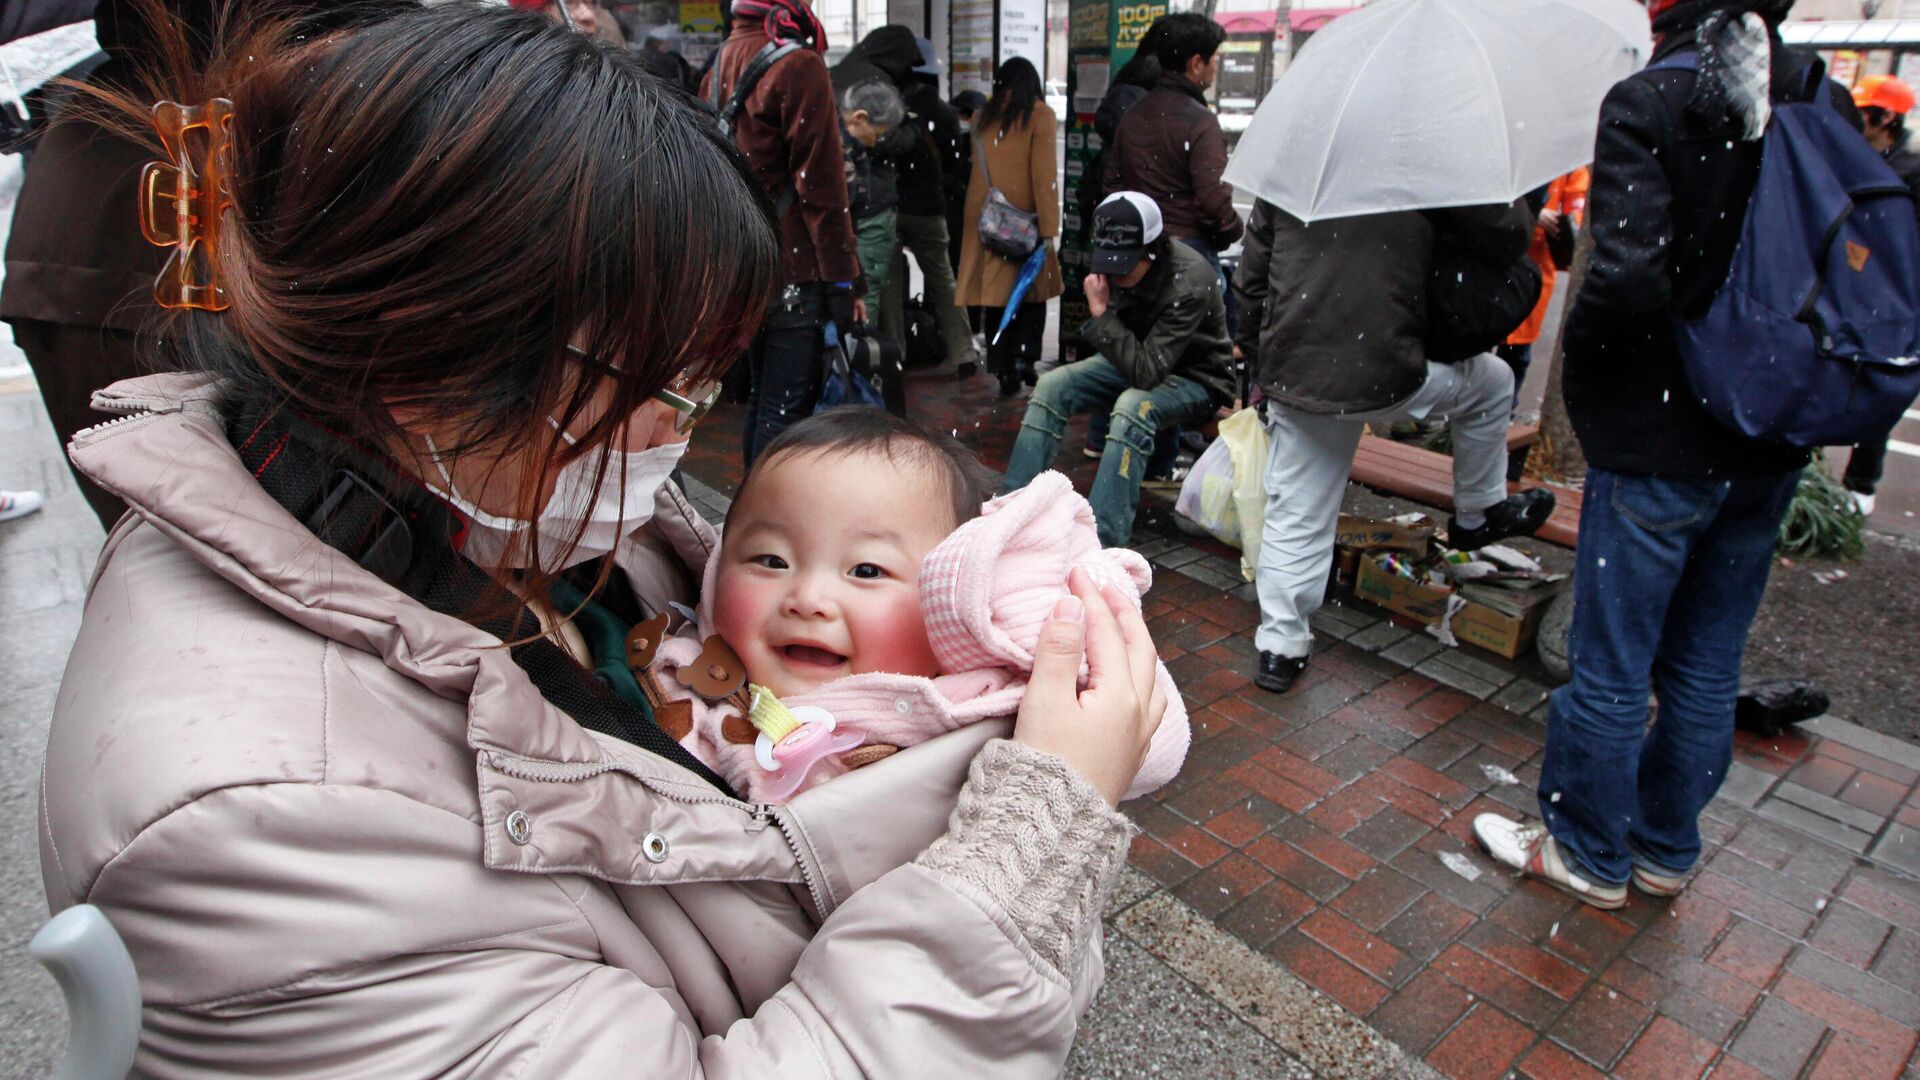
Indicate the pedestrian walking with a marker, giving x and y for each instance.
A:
(1164, 359)
(1013, 156)
(1335, 317)
(1884, 102)
(934, 156)
(788, 127)
(440, 415)
(1680, 513)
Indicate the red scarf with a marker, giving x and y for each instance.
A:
(784, 20)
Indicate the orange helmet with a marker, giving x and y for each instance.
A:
(1884, 92)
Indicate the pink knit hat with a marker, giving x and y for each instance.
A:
(986, 591)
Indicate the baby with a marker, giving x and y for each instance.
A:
(862, 600)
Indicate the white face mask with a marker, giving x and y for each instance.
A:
(612, 511)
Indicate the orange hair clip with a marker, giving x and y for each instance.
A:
(181, 202)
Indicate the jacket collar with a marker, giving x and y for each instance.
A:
(1174, 80)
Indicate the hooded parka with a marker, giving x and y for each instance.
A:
(344, 835)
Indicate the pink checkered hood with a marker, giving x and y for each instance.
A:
(985, 592)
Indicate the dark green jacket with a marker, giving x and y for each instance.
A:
(1173, 323)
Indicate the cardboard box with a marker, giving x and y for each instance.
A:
(1369, 534)
(1498, 630)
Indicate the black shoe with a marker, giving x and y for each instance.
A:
(1028, 375)
(1520, 515)
(1278, 672)
(1009, 383)
(967, 369)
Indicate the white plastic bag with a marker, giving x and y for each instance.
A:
(1224, 493)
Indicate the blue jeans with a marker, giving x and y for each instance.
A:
(1670, 572)
(785, 360)
(1137, 415)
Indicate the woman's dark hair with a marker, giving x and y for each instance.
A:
(861, 429)
(1186, 34)
(1016, 90)
(429, 207)
(1144, 68)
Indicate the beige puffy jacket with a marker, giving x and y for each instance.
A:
(344, 835)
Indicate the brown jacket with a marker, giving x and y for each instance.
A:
(1170, 148)
(344, 835)
(790, 131)
(1024, 170)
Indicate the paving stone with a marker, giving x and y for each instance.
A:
(1209, 576)
(1176, 557)
(1901, 753)
(1473, 665)
(1745, 785)
(1827, 806)
(1378, 636)
(1437, 669)
(1322, 624)
(1899, 848)
(1412, 649)
(1816, 824)
(1486, 1043)
(1779, 1040)
(1522, 695)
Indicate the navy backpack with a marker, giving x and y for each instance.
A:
(1814, 338)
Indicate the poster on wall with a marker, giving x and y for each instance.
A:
(1101, 37)
(971, 43)
(1023, 32)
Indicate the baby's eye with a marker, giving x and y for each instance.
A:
(770, 562)
(868, 571)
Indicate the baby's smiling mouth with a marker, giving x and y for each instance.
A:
(803, 655)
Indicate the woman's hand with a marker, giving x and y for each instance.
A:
(1102, 731)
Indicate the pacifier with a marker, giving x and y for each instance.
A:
(794, 740)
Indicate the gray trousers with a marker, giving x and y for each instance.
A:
(925, 235)
(1309, 458)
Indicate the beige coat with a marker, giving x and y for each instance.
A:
(343, 835)
(1023, 168)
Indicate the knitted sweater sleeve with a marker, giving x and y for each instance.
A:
(1041, 842)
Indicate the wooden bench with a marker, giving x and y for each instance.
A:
(1426, 476)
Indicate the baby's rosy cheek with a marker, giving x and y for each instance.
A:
(738, 605)
(893, 638)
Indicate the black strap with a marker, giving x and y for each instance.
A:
(770, 53)
(356, 503)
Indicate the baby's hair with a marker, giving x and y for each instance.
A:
(854, 429)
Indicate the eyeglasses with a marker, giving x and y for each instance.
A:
(690, 398)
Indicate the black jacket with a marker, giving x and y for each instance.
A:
(1173, 323)
(1668, 202)
(1333, 315)
(935, 153)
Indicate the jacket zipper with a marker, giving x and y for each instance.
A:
(134, 408)
(762, 814)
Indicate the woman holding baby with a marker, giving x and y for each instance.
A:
(382, 745)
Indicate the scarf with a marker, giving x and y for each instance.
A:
(784, 20)
(1735, 41)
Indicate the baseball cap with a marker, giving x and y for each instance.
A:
(1884, 92)
(1123, 225)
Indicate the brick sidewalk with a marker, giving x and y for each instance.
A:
(1329, 829)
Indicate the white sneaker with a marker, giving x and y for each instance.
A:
(1864, 502)
(18, 504)
(1528, 847)
(1655, 883)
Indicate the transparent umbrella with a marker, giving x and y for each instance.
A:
(1416, 104)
